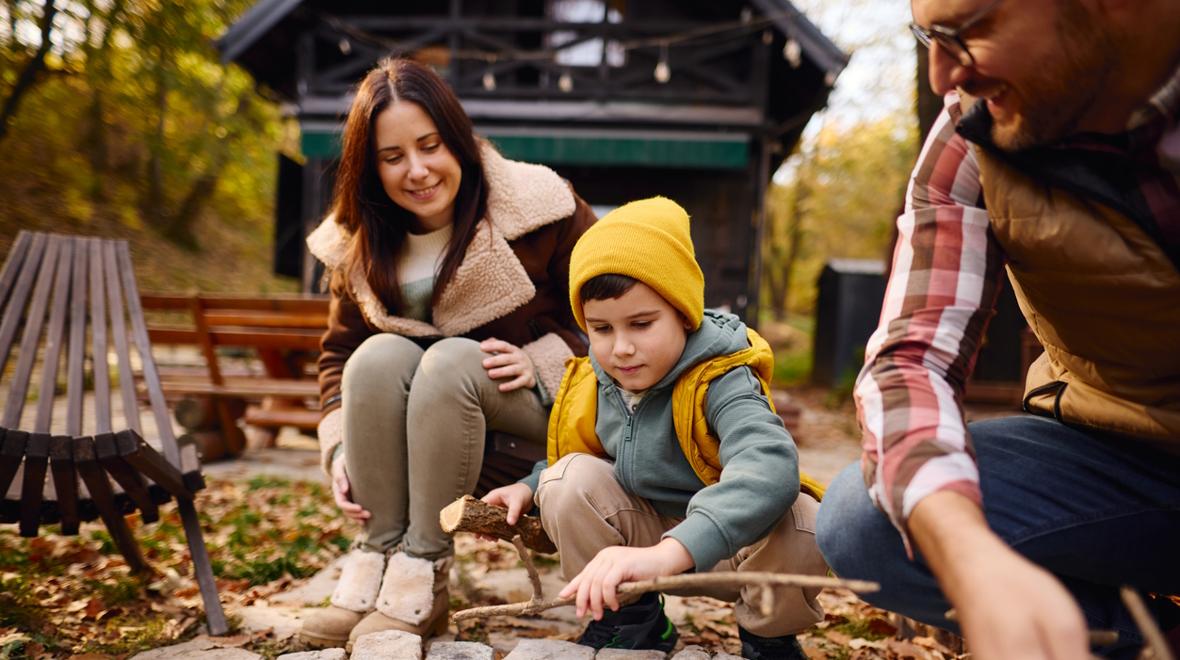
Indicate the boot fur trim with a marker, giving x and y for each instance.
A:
(407, 592)
(360, 578)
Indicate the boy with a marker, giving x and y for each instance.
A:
(665, 454)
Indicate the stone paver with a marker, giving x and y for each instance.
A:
(692, 652)
(325, 654)
(387, 645)
(630, 654)
(283, 622)
(550, 649)
(201, 648)
(459, 651)
(726, 656)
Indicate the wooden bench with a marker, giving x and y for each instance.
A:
(282, 332)
(76, 298)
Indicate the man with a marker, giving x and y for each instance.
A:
(1057, 159)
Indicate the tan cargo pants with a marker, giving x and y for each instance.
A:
(584, 509)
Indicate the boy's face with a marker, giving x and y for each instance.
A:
(637, 337)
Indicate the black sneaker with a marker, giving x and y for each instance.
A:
(770, 648)
(640, 625)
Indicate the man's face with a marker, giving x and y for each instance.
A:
(1040, 65)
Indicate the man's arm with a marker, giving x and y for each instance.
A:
(918, 461)
(947, 272)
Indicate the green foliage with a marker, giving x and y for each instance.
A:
(841, 195)
(137, 127)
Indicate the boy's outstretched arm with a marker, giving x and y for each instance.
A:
(595, 586)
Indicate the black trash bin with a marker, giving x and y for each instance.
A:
(848, 307)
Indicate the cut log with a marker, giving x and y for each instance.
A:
(468, 514)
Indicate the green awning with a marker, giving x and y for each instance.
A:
(680, 151)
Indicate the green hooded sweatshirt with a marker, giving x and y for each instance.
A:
(760, 467)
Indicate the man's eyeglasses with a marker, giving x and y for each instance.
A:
(950, 39)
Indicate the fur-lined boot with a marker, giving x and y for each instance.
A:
(414, 598)
(355, 596)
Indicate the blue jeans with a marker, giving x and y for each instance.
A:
(1098, 512)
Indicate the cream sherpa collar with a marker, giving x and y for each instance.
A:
(491, 282)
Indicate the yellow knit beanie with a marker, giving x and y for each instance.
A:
(647, 240)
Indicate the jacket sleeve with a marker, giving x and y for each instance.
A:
(759, 473)
(550, 351)
(346, 330)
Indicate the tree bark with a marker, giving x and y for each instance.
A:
(468, 514)
(28, 75)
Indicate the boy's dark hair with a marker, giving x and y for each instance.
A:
(606, 286)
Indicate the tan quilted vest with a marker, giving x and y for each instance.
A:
(1102, 298)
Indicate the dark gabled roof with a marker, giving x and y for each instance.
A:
(815, 44)
(267, 21)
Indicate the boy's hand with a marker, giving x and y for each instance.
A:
(508, 362)
(595, 585)
(517, 498)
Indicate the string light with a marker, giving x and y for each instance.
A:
(663, 72)
(566, 82)
(793, 53)
(345, 46)
(489, 80)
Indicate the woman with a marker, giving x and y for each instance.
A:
(449, 317)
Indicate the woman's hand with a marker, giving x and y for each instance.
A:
(341, 491)
(508, 361)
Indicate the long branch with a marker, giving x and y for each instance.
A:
(675, 582)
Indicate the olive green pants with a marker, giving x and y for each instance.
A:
(414, 429)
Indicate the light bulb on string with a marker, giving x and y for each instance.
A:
(767, 37)
(489, 81)
(793, 53)
(663, 72)
(566, 82)
(345, 45)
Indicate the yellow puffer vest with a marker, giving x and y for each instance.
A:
(571, 424)
(1103, 299)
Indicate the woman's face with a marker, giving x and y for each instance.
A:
(417, 170)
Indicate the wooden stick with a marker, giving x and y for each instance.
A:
(674, 582)
(1151, 632)
(527, 558)
(468, 514)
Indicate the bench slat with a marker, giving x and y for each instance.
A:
(13, 263)
(12, 451)
(98, 340)
(19, 386)
(14, 311)
(76, 358)
(126, 476)
(53, 341)
(150, 377)
(33, 486)
(119, 331)
(99, 486)
(293, 303)
(245, 387)
(65, 481)
(274, 417)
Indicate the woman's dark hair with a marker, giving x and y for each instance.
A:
(606, 286)
(361, 205)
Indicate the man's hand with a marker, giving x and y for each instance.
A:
(341, 491)
(595, 585)
(1008, 607)
(517, 498)
(508, 361)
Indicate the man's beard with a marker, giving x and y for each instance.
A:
(1052, 102)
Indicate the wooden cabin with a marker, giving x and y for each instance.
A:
(695, 100)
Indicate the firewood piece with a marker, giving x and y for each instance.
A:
(468, 514)
(1151, 632)
(673, 582)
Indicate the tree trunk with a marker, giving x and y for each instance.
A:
(929, 103)
(28, 75)
(153, 202)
